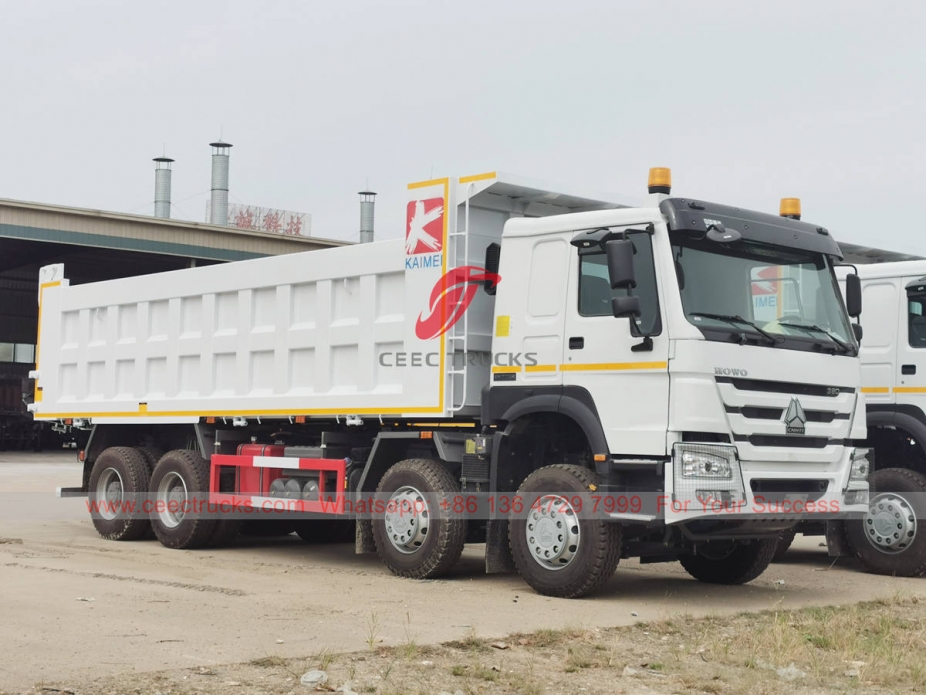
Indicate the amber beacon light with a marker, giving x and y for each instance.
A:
(660, 180)
(790, 207)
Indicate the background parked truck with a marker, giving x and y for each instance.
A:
(521, 360)
(890, 538)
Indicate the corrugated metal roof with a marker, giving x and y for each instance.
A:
(99, 228)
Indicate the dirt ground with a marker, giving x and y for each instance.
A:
(76, 609)
(871, 647)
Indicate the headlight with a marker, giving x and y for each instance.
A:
(705, 465)
(861, 467)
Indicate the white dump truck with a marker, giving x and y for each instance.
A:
(568, 380)
(890, 538)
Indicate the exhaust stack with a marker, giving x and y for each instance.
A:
(162, 174)
(367, 204)
(218, 207)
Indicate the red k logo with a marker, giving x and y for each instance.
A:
(450, 299)
(424, 226)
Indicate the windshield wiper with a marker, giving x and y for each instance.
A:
(819, 329)
(729, 318)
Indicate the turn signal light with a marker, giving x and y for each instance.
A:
(790, 207)
(660, 180)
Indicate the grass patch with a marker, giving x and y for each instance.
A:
(872, 646)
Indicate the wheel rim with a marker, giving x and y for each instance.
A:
(407, 519)
(109, 492)
(890, 523)
(552, 532)
(172, 499)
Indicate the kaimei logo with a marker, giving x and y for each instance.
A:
(424, 226)
(450, 299)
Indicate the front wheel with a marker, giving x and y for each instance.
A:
(730, 562)
(890, 539)
(420, 535)
(785, 539)
(558, 550)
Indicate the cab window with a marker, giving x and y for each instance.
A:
(595, 291)
(916, 321)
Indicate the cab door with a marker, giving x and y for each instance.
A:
(910, 365)
(626, 374)
(884, 319)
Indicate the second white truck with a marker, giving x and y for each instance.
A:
(566, 379)
(891, 537)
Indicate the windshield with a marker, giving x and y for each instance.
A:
(776, 296)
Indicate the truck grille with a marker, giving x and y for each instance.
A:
(756, 411)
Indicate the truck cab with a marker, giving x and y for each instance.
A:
(718, 366)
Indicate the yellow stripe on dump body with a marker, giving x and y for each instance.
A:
(479, 177)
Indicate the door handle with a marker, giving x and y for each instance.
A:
(576, 343)
(908, 369)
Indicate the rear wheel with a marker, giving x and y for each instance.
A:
(419, 536)
(891, 538)
(150, 455)
(225, 533)
(730, 562)
(180, 486)
(558, 550)
(119, 483)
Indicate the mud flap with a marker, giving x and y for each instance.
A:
(836, 544)
(498, 554)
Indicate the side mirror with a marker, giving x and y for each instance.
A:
(853, 295)
(620, 263)
(857, 330)
(625, 307)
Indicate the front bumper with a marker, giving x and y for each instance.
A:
(710, 481)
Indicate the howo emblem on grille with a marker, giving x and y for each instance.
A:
(795, 418)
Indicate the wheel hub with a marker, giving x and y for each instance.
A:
(407, 519)
(109, 491)
(552, 532)
(172, 499)
(890, 524)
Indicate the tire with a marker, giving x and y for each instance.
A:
(326, 530)
(730, 562)
(179, 488)
(785, 539)
(895, 492)
(225, 533)
(434, 539)
(119, 472)
(151, 456)
(573, 569)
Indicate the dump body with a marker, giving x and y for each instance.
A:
(366, 330)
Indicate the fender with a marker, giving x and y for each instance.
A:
(509, 403)
(901, 417)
